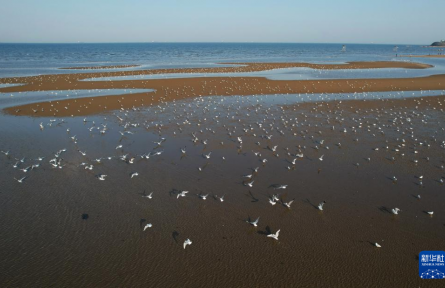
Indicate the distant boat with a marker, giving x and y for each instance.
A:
(343, 49)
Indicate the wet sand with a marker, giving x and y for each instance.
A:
(181, 88)
(330, 248)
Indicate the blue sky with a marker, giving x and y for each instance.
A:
(322, 21)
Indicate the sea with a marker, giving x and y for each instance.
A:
(36, 59)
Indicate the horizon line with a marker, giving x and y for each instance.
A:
(214, 42)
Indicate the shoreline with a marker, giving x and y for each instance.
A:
(422, 56)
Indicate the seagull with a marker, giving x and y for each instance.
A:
(21, 179)
(430, 212)
(203, 197)
(182, 194)
(254, 223)
(147, 226)
(271, 201)
(395, 211)
(274, 236)
(187, 242)
(250, 184)
(101, 177)
(248, 176)
(321, 158)
(183, 150)
(377, 245)
(320, 206)
(221, 198)
(119, 146)
(281, 187)
(6, 153)
(207, 156)
(288, 204)
(150, 196)
(134, 174)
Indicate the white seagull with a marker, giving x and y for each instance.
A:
(254, 223)
(182, 194)
(274, 236)
(320, 206)
(21, 179)
(147, 226)
(288, 204)
(101, 177)
(395, 211)
(187, 242)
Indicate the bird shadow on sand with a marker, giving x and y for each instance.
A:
(173, 192)
(385, 209)
(175, 235)
(252, 197)
(310, 203)
(267, 231)
(142, 221)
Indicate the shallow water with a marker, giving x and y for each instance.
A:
(20, 98)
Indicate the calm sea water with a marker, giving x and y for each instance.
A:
(32, 59)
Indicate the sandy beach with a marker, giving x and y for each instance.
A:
(363, 158)
(181, 88)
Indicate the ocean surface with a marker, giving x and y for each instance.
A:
(34, 59)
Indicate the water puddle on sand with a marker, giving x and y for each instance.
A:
(21, 98)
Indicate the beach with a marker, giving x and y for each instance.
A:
(361, 146)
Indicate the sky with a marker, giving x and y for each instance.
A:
(316, 21)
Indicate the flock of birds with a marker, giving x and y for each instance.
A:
(257, 119)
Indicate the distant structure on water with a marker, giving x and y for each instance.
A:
(343, 49)
(440, 43)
